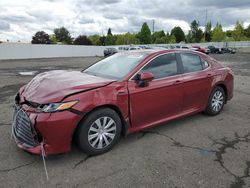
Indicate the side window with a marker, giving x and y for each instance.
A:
(162, 66)
(191, 62)
(204, 64)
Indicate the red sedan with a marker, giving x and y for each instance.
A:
(121, 94)
(200, 49)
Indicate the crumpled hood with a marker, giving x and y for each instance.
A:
(53, 86)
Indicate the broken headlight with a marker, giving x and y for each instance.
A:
(55, 107)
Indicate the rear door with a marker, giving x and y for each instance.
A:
(161, 98)
(197, 81)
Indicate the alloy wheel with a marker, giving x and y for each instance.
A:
(102, 132)
(217, 101)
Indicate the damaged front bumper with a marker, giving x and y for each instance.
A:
(52, 131)
(22, 129)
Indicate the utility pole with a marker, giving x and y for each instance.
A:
(205, 32)
(206, 17)
(153, 28)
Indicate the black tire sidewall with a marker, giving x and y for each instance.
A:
(84, 126)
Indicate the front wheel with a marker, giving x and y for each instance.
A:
(99, 131)
(216, 101)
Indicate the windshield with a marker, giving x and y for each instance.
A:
(116, 66)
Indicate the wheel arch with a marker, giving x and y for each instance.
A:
(208, 107)
(111, 106)
(223, 86)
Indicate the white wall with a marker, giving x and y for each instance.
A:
(29, 51)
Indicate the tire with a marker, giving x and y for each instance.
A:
(216, 101)
(99, 131)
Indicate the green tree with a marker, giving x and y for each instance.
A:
(40, 38)
(53, 39)
(120, 39)
(110, 39)
(229, 33)
(162, 40)
(171, 39)
(109, 32)
(188, 37)
(102, 40)
(63, 35)
(228, 36)
(238, 32)
(248, 31)
(127, 38)
(195, 32)
(145, 34)
(218, 34)
(208, 32)
(82, 40)
(178, 33)
(95, 39)
(158, 36)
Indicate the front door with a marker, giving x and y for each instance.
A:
(161, 98)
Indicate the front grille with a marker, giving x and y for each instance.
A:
(22, 129)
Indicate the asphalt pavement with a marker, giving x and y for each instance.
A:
(193, 152)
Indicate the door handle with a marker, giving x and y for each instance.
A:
(121, 93)
(177, 82)
(209, 75)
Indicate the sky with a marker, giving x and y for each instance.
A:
(21, 19)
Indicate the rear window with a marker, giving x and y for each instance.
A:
(191, 62)
(204, 64)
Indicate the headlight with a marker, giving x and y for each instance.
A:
(54, 107)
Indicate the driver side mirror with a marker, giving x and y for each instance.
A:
(144, 78)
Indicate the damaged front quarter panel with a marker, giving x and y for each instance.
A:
(113, 95)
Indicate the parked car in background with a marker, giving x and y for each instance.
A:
(144, 47)
(122, 48)
(134, 48)
(181, 47)
(109, 51)
(128, 48)
(201, 49)
(214, 50)
(228, 50)
(172, 47)
(120, 94)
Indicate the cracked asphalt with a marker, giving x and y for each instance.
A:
(194, 152)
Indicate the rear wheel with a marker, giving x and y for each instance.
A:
(216, 101)
(99, 131)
